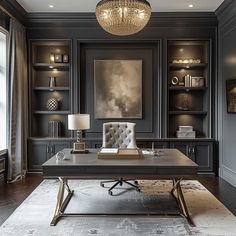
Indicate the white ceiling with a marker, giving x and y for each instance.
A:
(89, 5)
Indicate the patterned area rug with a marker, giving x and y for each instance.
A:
(33, 216)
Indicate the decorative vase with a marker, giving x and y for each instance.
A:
(52, 82)
(52, 104)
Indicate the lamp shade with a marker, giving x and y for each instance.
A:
(78, 121)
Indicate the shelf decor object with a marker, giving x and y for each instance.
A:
(123, 17)
(52, 104)
(197, 82)
(185, 132)
(187, 61)
(65, 58)
(52, 83)
(175, 81)
(58, 58)
(52, 57)
(79, 122)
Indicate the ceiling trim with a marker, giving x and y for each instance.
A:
(60, 19)
(15, 9)
(158, 19)
(226, 12)
(223, 7)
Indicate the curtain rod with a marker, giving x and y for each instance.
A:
(7, 12)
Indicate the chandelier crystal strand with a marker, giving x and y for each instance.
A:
(123, 17)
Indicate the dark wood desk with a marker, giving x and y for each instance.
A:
(170, 162)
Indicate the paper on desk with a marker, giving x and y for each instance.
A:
(146, 152)
(109, 150)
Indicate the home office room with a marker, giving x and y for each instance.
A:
(117, 117)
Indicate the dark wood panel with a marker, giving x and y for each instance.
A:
(38, 153)
(181, 146)
(122, 51)
(203, 153)
(57, 146)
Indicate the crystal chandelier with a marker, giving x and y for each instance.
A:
(123, 17)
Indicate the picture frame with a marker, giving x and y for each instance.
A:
(58, 58)
(231, 95)
(197, 81)
(118, 89)
(65, 58)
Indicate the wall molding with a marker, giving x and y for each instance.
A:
(226, 17)
(79, 19)
(15, 9)
(228, 175)
(160, 19)
(225, 12)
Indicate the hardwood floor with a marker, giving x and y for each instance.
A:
(12, 195)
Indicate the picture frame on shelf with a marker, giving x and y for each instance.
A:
(65, 58)
(197, 81)
(58, 58)
(52, 57)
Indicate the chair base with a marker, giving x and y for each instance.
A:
(120, 182)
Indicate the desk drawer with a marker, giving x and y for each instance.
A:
(2, 165)
(122, 171)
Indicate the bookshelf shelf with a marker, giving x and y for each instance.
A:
(189, 87)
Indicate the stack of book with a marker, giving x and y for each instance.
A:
(185, 132)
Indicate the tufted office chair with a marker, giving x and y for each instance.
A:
(119, 135)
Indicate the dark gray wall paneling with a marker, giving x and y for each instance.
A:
(84, 32)
(150, 43)
(148, 53)
(227, 122)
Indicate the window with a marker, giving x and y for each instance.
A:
(3, 90)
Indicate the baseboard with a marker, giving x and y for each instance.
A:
(34, 173)
(228, 175)
(206, 174)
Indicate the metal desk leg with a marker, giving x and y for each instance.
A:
(180, 199)
(61, 203)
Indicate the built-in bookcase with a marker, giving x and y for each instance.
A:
(43, 65)
(189, 85)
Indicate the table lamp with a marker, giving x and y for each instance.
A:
(79, 122)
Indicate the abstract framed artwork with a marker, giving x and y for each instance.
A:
(231, 95)
(118, 89)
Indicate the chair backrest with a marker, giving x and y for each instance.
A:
(119, 135)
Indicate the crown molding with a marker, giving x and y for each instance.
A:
(222, 7)
(75, 19)
(15, 9)
(162, 19)
(226, 12)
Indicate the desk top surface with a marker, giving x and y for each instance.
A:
(166, 158)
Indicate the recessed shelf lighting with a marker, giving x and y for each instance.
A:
(51, 6)
(190, 5)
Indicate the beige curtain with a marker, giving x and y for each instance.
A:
(18, 101)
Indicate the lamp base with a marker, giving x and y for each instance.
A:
(79, 146)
